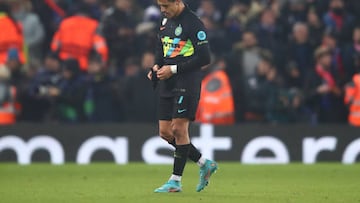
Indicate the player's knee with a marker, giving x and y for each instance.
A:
(166, 135)
(178, 131)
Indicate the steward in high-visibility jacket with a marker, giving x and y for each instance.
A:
(352, 99)
(77, 37)
(11, 36)
(216, 105)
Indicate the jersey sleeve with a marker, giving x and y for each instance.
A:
(201, 56)
(159, 58)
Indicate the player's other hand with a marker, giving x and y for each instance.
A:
(164, 72)
(154, 68)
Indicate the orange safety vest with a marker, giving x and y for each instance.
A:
(352, 98)
(10, 37)
(216, 105)
(8, 109)
(76, 37)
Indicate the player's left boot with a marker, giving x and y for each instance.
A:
(205, 172)
(170, 186)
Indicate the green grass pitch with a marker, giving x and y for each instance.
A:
(135, 182)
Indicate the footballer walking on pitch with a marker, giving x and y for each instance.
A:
(181, 52)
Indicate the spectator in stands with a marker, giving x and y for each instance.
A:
(141, 107)
(13, 62)
(352, 55)
(322, 94)
(316, 28)
(293, 77)
(207, 9)
(243, 12)
(242, 63)
(71, 93)
(353, 7)
(19, 79)
(239, 16)
(300, 50)
(94, 8)
(294, 11)
(337, 67)
(33, 30)
(146, 31)
(338, 20)
(271, 36)
(118, 28)
(99, 99)
(77, 37)
(247, 54)
(41, 103)
(260, 90)
(286, 106)
(216, 37)
(51, 13)
(131, 70)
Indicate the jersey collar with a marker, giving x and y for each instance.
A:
(186, 8)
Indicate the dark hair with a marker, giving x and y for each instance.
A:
(71, 65)
(267, 56)
(4, 7)
(53, 55)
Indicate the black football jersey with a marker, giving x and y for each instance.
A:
(182, 42)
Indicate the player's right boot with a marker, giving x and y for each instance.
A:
(205, 172)
(170, 186)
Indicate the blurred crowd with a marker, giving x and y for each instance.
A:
(273, 61)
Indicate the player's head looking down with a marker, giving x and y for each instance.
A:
(171, 8)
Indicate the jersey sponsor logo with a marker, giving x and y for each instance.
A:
(202, 42)
(178, 30)
(201, 35)
(173, 47)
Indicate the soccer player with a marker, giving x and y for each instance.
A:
(182, 50)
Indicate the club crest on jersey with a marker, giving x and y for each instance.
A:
(178, 30)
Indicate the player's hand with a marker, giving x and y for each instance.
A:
(323, 89)
(164, 72)
(54, 91)
(155, 68)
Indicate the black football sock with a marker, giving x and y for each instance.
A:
(180, 157)
(194, 154)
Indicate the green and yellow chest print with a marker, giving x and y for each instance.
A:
(174, 40)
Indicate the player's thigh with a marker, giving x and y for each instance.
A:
(165, 108)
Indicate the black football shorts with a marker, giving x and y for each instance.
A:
(181, 106)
